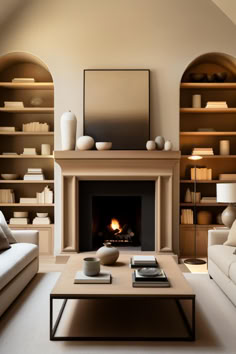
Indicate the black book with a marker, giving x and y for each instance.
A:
(143, 265)
(149, 284)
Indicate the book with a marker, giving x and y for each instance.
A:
(101, 278)
(160, 277)
(149, 283)
(13, 104)
(9, 153)
(227, 176)
(42, 221)
(34, 170)
(142, 261)
(28, 200)
(29, 151)
(33, 177)
(23, 79)
(7, 129)
(20, 221)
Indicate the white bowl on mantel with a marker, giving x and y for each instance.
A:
(9, 176)
(104, 145)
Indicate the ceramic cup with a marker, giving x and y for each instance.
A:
(91, 266)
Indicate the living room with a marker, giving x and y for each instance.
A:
(53, 53)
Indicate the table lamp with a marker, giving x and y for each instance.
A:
(226, 193)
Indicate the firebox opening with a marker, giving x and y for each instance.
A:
(116, 219)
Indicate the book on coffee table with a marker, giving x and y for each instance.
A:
(143, 261)
(158, 281)
(101, 278)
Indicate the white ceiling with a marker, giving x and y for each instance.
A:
(228, 7)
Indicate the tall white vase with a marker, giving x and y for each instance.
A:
(68, 131)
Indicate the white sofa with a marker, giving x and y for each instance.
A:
(222, 263)
(18, 265)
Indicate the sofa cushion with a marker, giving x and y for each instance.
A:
(4, 244)
(231, 241)
(232, 272)
(6, 229)
(222, 256)
(14, 260)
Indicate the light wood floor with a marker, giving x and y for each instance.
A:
(52, 264)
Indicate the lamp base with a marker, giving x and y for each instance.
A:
(194, 261)
(229, 215)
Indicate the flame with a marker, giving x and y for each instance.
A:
(115, 225)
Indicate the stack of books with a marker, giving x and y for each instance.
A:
(203, 151)
(101, 278)
(208, 200)
(7, 196)
(227, 176)
(34, 174)
(201, 174)
(216, 104)
(23, 79)
(7, 129)
(142, 278)
(28, 200)
(35, 127)
(42, 221)
(186, 216)
(19, 221)
(29, 151)
(143, 261)
(13, 104)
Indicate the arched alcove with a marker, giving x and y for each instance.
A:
(23, 103)
(205, 120)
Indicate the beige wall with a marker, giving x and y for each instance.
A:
(162, 35)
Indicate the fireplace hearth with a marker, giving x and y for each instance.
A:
(120, 212)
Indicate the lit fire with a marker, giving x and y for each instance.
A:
(115, 225)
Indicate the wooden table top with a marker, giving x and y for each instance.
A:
(121, 280)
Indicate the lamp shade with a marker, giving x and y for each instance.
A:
(226, 192)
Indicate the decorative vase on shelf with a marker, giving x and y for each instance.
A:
(68, 131)
(107, 254)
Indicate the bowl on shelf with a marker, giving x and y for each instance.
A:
(197, 77)
(104, 145)
(42, 215)
(220, 77)
(9, 176)
(20, 214)
(210, 77)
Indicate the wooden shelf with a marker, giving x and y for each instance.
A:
(28, 110)
(26, 156)
(204, 204)
(28, 133)
(23, 205)
(206, 181)
(208, 85)
(211, 157)
(199, 226)
(207, 110)
(208, 133)
(20, 181)
(28, 226)
(28, 85)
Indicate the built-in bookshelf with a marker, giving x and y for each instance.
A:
(221, 125)
(27, 66)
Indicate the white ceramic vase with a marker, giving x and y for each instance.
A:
(107, 254)
(68, 131)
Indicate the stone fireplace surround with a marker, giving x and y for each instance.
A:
(159, 166)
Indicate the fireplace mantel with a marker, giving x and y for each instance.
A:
(159, 166)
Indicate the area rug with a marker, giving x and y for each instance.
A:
(24, 328)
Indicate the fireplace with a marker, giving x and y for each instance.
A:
(159, 168)
(120, 212)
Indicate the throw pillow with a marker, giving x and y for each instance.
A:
(4, 244)
(6, 229)
(231, 241)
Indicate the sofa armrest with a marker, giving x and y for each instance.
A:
(26, 236)
(217, 237)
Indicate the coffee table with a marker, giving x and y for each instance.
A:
(121, 287)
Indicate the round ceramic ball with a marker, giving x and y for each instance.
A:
(168, 145)
(160, 142)
(151, 145)
(85, 143)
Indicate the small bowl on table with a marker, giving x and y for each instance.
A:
(104, 145)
